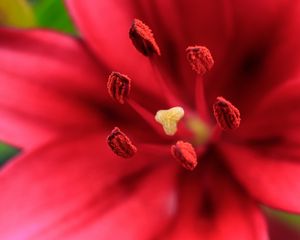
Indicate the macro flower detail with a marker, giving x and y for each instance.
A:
(142, 38)
(184, 153)
(227, 115)
(118, 86)
(120, 144)
(56, 106)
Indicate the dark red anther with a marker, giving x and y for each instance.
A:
(227, 115)
(143, 39)
(118, 86)
(120, 144)
(200, 59)
(185, 153)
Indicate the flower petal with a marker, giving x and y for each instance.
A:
(78, 189)
(267, 160)
(272, 180)
(215, 207)
(257, 57)
(275, 126)
(49, 81)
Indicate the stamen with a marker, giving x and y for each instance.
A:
(120, 144)
(200, 59)
(185, 154)
(169, 119)
(118, 86)
(227, 115)
(143, 39)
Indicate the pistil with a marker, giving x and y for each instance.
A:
(200, 129)
(169, 119)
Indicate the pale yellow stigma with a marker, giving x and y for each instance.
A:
(169, 119)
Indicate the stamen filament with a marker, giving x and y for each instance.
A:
(200, 99)
(146, 115)
(166, 90)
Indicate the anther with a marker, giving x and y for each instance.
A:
(143, 39)
(200, 59)
(120, 144)
(118, 86)
(169, 119)
(185, 154)
(227, 115)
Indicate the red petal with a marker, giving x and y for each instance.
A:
(48, 81)
(269, 164)
(78, 189)
(214, 207)
(261, 58)
(23, 133)
(272, 180)
(274, 127)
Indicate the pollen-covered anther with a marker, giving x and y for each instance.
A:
(143, 39)
(118, 86)
(200, 59)
(227, 115)
(185, 154)
(120, 144)
(169, 119)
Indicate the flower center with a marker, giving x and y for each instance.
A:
(201, 61)
(201, 131)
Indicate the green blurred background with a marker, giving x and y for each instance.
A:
(52, 14)
(32, 13)
(28, 14)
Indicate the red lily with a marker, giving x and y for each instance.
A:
(68, 184)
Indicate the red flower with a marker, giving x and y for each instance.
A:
(68, 183)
